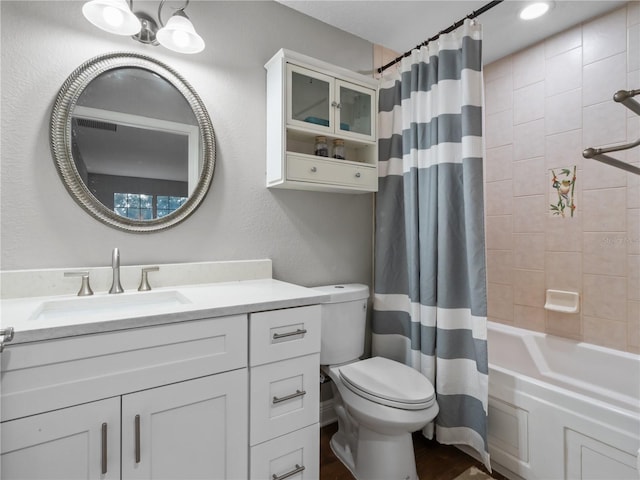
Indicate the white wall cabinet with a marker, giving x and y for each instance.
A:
(307, 98)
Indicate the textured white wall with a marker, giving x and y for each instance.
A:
(312, 238)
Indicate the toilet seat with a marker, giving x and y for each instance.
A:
(387, 382)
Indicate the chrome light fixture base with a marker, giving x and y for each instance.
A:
(147, 33)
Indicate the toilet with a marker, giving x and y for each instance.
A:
(378, 402)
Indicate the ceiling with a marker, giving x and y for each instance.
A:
(400, 25)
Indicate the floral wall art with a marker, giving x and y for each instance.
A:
(562, 199)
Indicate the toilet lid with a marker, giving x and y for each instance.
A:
(389, 383)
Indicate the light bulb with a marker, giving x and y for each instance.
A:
(180, 38)
(113, 16)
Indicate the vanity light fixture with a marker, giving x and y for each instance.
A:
(535, 10)
(117, 16)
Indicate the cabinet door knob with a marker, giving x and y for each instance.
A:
(357, 174)
(314, 169)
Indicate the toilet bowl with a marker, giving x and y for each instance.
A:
(378, 402)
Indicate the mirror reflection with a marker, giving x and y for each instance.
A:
(135, 143)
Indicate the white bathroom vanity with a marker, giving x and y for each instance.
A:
(215, 380)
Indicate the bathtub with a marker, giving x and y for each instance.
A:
(561, 409)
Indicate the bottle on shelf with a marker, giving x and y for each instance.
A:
(338, 149)
(321, 150)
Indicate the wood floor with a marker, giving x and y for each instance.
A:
(433, 461)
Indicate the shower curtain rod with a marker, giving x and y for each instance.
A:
(451, 28)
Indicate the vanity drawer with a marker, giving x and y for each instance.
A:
(305, 169)
(281, 334)
(285, 396)
(295, 452)
(59, 373)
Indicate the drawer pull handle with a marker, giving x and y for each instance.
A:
(314, 169)
(293, 472)
(104, 449)
(299, 393)
(299, 331)
(357, 174)
(137, 428)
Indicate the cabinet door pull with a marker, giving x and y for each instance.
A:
(137, 439)
(104, 449)
(293, 472)
(299, 393)
(299, 331)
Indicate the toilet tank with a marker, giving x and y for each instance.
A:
(344, 317)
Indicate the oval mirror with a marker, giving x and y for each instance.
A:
(132, 142)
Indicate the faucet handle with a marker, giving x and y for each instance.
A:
(85, 288)
(144, 281)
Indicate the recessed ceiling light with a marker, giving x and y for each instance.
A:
(534, 10)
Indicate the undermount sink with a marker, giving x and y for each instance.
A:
(108, 305)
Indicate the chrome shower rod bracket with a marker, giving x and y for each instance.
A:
(626, 98)
(600, 154)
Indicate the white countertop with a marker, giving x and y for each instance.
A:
(45, 318)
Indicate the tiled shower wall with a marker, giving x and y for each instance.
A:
(543, 106)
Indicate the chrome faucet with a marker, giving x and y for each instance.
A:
(115, 266)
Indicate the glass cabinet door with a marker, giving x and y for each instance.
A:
(355, 110)
(310, 95)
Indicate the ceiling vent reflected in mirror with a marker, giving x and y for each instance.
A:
(84, 122)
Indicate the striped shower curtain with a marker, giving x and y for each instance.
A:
(429, 308)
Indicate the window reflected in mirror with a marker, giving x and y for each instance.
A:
(137, 206)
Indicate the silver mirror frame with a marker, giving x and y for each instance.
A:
(60, 140)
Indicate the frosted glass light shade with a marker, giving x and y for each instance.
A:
(113, 16)
(179, 35)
